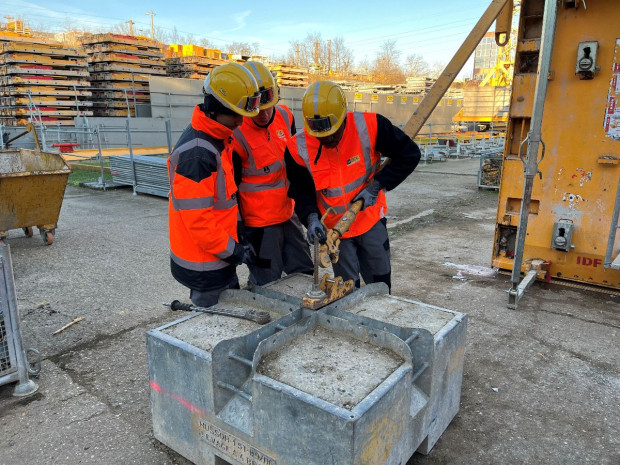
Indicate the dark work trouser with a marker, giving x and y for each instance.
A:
(279, 248)
(368, 255)
(210, 298)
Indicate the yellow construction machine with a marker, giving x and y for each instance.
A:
(559, 195)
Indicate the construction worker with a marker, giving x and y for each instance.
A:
(269, 223)
(334, 162)
(204, 251)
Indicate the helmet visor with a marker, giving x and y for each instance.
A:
(266, 95)
(319, 124)
(252, 103)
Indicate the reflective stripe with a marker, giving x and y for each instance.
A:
(228, 251)
(253, 171)
(315, 98)
(332, 192)
(226, 203)
(337, 208)
(302, 149)
(285, 117)
(220, 181)
(256, 74)
(198, 266)
(258, 186)
(364, 138)
(192, 204)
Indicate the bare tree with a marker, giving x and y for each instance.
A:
(416, 66)
(239, 48)
(386, 67)
(436, 69)
(320, 55)
(341, 56)
(255, 48)
(205, 43)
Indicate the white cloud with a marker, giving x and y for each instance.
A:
(239, 19)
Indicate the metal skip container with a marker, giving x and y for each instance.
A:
(32, 187)
(311, 387)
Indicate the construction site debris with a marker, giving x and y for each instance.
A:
(41, 81)
(68, 325)
(490, 171)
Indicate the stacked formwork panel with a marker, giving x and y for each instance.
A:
(41, 81)
(419, 85)
(120, 67)
(289, 76)
(191, 61)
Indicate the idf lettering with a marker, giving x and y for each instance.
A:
(586, 261)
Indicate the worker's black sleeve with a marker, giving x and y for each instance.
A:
(301, 188)
(293, 128)
(404, 154)
(237, 167)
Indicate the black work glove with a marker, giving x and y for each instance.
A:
(249, 255)
(238, 255)
(369, 195)
(315, 229)
(242, 232)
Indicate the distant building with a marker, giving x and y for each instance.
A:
(485, 56)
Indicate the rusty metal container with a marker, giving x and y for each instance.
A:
(32, 187)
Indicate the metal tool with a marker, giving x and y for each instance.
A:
(329, 289)
(329, 252)
(259, 317)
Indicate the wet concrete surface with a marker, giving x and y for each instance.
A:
(541, 384)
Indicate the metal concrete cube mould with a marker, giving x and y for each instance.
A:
(212, 405)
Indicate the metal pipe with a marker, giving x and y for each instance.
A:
(235, 390)
(98, 131)
(25, 386)
(239, 359)
(534, 137)
(613, 229)
(133, 164)
(169, 135)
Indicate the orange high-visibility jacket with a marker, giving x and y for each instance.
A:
(202, 211)
(340, 173)
(263, 198)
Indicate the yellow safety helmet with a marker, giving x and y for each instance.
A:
(267, 87)
(324, 108)
(234, 87)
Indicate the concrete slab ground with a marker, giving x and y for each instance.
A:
(541, 384)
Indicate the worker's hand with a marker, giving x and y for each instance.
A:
(369, 195)
(315, 229)
(241, 232)
(240, 255)
(249, 255)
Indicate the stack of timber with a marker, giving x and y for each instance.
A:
(41, 81)
(289, 76)
(191, 61)
(120, 67)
